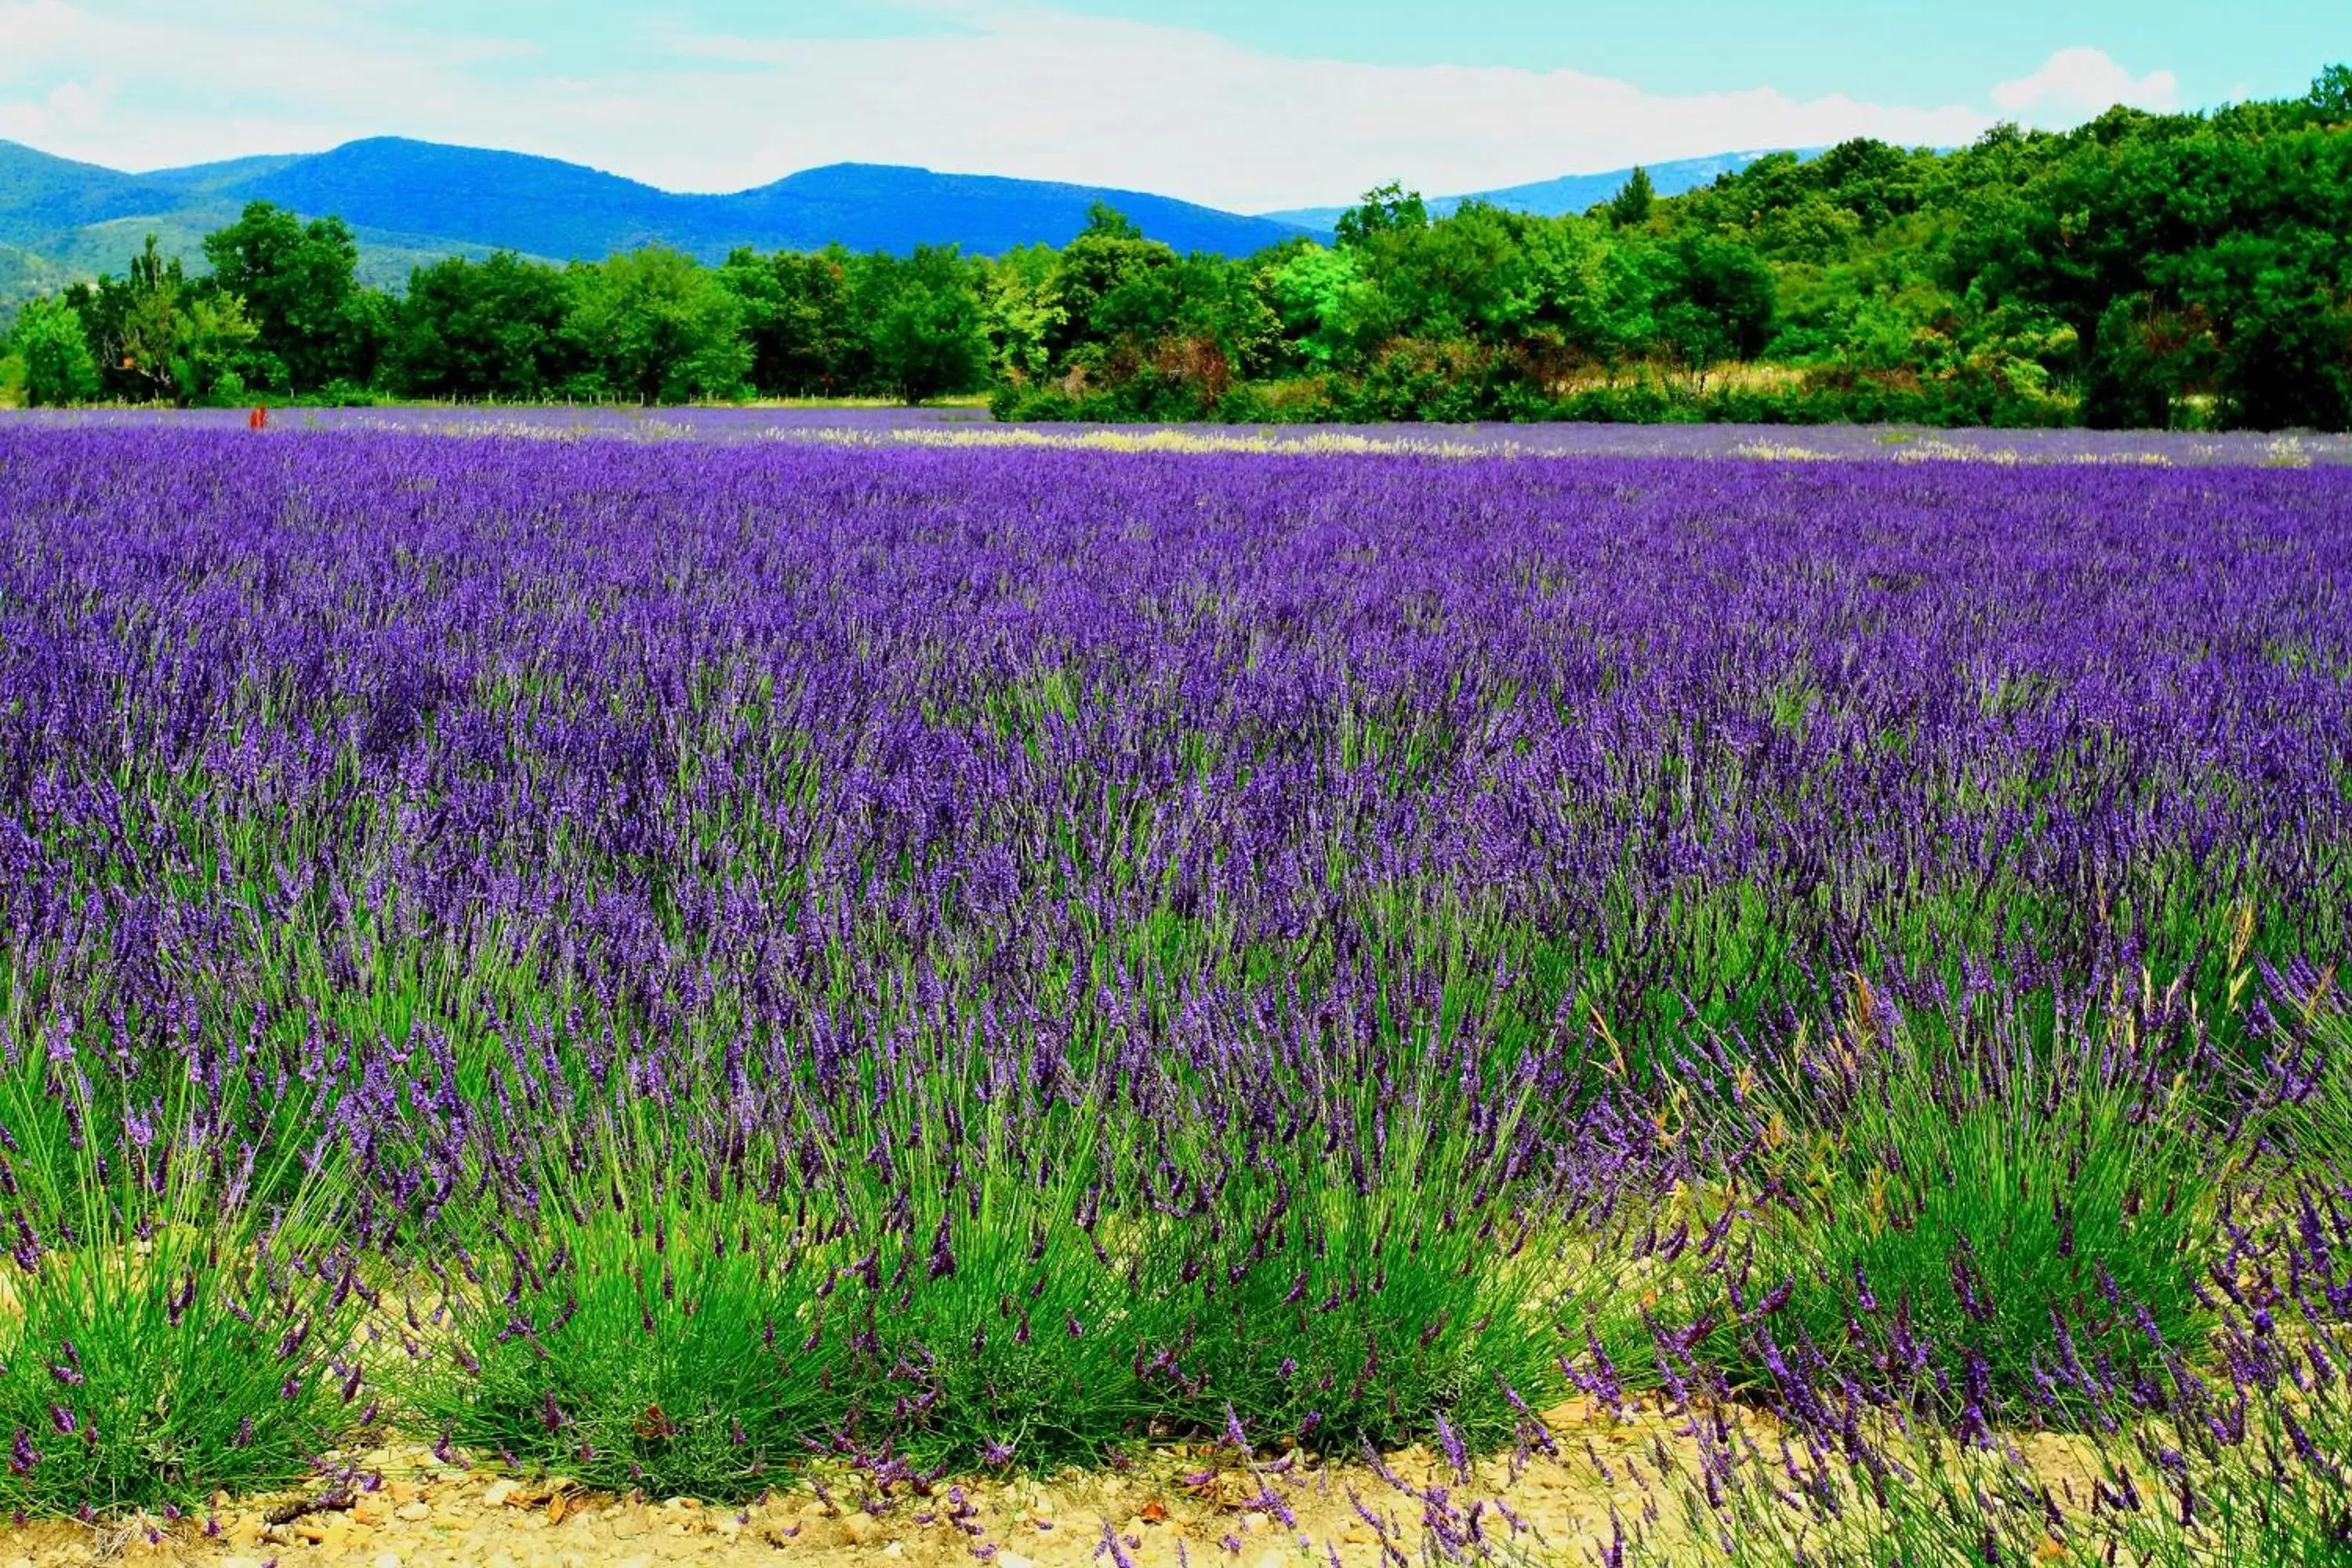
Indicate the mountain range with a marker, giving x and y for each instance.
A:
(413, 202)
(1568, 193)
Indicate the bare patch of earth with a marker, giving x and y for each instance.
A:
(1189, 1505)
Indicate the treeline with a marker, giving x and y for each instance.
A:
(2144, 269)
(280, 314)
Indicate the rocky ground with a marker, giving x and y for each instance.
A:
(1178, 1506)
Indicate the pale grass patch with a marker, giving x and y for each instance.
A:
(1193, 442)
(1775, 452)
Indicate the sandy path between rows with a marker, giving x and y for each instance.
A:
(1176, 1505)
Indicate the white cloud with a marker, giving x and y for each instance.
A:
(1010, 90)
(140, 86)
(2074, 84)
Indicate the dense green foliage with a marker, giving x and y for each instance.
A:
(2167, 271)
(51, 362)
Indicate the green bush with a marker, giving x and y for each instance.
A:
(169, 1339)
(2270, 1493)
(1343, 1315)
(1017, 1330)
(1973, 1220)
(58, 366)
(650, 1325)
(1363, 1297)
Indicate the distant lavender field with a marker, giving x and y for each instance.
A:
(1844, 442)
(674, 960)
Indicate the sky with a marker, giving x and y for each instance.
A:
(1251, 105)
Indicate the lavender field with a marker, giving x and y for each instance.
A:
(953, 424)
(699, 965)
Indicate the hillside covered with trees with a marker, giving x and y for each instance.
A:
(2144, 269)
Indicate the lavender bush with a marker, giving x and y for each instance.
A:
(166, 1338)
(2231, 1450)
(983, 957)
(1966, 1222)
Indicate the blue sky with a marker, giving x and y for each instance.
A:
(1245, 103)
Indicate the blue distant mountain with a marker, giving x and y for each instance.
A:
(207, 178)
(1569, 194)
(412, 201)
(550, 209)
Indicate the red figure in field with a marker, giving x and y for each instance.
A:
(258, 420)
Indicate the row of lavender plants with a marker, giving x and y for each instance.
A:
(678, 963)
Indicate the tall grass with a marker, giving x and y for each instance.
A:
(165, 1336)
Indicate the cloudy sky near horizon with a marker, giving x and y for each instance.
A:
(1246, 105)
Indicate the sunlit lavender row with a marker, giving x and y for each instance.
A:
(678, 962)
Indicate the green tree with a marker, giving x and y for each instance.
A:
(923, 323)
(1584, 302)
(1022, 313)
(656, 326)
(1323, 298)
(145, 330)
(1181, 298)
(2187, 255)
(1634, 201)
(1715, 301)
(2331, 94)
(2282, 355)
(301, 287)
(1105, 221)
(1248, 322)
(491, 329)
(800, 322)
(1108, 255)
(2147, 357)
(58, 366)
(1466, 276)
(159, 337)
(211, 348)
(1385, 209)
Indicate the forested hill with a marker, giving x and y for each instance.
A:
(2142, 269)
(545, 207)
(409, 202)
